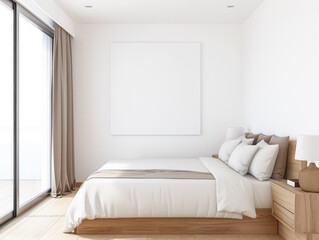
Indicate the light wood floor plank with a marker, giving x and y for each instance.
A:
(33, 228)
(11, 226)
(54, 207)
(36, 208)
(55, 233)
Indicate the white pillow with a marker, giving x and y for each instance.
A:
(264, 161)
(241, 157)
(227, 148)
(249, 141)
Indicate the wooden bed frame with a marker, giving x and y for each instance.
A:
(264, 224)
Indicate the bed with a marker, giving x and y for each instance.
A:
(205, 197)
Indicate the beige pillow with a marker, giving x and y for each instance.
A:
(254, 136)
(266, 138)
(282, 157)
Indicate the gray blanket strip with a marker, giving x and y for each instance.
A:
(152, 174)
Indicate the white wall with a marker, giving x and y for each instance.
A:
(221, 92)
(281, 68)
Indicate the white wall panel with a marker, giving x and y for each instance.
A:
(155, 88)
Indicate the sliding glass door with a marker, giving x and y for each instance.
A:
(35, 77)
(26, 46)
(6, 111)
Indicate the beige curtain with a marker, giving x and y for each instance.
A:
(63, 179)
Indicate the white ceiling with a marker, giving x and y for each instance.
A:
(159, 11)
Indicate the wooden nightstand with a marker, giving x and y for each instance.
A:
(297, 211)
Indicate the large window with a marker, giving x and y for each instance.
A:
(35, 71)
(26, 46)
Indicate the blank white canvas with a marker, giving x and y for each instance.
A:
(155, 88)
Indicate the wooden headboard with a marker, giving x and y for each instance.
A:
(293, 166)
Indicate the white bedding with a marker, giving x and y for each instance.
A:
(125, 198)
(262, 192)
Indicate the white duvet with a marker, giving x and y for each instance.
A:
(229, 196)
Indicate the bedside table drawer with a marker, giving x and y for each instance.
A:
(284, 215)
(283, 197)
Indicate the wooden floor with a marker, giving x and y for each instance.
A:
(45, 221)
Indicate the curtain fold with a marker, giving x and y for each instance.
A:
(63, 177)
